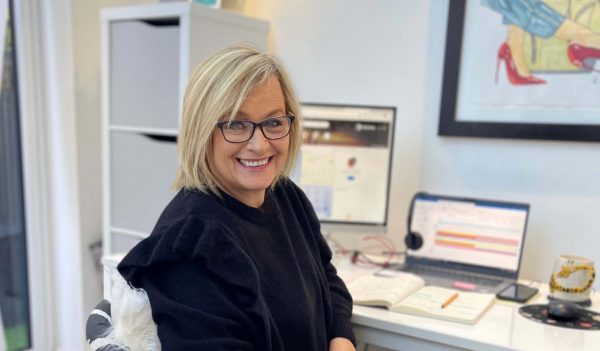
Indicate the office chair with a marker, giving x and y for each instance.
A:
(99, 323)
(126, 325)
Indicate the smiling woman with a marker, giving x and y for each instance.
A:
(237, 260)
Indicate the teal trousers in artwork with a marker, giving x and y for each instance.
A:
(533, 16)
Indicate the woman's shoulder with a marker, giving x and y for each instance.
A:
(191, 247)
(199, 234)
(189, 202)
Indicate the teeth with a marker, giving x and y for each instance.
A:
(254, 163)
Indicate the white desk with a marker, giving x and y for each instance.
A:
(500, 328)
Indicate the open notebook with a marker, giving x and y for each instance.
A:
(407, 293)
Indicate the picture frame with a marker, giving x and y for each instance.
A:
(452, 124)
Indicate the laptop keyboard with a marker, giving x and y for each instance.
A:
(451, 274)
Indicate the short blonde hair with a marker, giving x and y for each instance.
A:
(217, 89)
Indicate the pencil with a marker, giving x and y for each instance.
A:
(450, 300)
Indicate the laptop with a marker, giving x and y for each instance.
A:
(468, 243)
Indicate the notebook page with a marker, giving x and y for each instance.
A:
(428, 301)
(372, 288)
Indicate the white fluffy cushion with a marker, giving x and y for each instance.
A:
(132, 325)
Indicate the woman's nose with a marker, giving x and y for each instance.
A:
(258, 141)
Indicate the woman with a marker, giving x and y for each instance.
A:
(236, 260)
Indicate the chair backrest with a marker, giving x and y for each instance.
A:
(98, 324)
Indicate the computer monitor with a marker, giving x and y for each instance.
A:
(345, 163)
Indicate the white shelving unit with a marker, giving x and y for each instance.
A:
(148, 54)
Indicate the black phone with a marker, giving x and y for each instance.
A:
(517, 292)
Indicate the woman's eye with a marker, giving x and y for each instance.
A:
(272, 123)
(236, 125)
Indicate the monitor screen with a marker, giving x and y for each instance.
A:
(345, 162)
(477, 232)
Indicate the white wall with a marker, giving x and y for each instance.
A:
(391, 52)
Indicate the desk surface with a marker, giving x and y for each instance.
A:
(500, 328)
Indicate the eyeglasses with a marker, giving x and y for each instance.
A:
(241, 131)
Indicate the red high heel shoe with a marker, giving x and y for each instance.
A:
(579, 54)
(504, 54)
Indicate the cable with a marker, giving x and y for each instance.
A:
(379, 245)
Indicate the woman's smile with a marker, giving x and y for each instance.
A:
(254, 164)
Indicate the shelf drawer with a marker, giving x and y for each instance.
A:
(141, 173)
(144, 73)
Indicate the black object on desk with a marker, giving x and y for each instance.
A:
(584, 319)
(517, 292)
(563, 310)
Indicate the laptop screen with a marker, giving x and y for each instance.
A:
(480, 233)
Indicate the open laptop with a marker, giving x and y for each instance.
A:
(467, 243)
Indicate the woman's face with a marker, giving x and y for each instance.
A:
(245, 170)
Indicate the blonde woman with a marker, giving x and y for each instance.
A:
(236, 260)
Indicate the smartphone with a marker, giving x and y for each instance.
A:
(517, 292)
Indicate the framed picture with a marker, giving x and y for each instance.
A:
(522, 69)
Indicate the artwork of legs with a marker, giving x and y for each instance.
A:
(536, 18)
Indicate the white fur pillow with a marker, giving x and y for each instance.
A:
(132, 326)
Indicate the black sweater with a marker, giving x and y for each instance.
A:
(224, 276)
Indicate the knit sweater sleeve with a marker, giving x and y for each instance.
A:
(203, 292)
(341, 300)
(209, 320)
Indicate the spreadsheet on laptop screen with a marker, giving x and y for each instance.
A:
(481, 233)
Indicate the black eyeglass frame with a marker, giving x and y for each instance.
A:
(292, 118)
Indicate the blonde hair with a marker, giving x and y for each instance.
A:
(217, 89)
